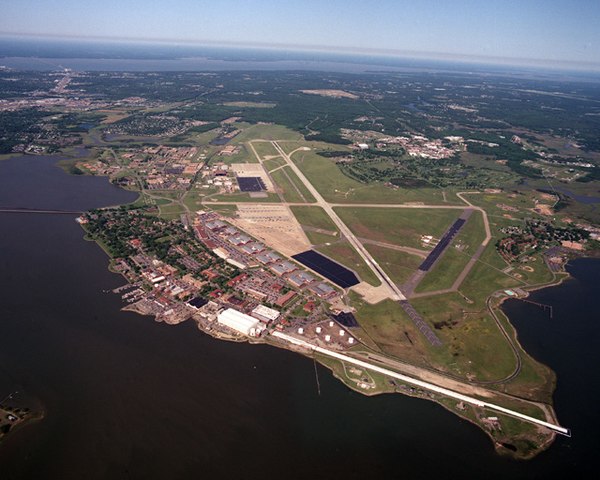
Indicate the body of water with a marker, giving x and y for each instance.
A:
(125, 397)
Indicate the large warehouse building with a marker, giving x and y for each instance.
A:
(238, 321)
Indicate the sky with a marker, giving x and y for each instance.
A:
(553, 30)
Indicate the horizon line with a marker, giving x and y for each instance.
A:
(361, 51)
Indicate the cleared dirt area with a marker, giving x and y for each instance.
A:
(274, 225)
(331, 93)
(543, 209)
(370, 293)
(245, 170)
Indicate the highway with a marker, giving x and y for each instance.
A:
(395, 292)
(421, 384)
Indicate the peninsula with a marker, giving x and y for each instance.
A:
(369, 222)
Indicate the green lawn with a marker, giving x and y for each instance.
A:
(472, 343)
(170, 212)
(398, 265)
(250, 104)
(299, 185)
(225, 210)
(273, 163)
(388, 326)
(336, 187)
(313, 217)
(265, 149)
(289, 192)
(445, 271)
(267, 132)
(398, 226)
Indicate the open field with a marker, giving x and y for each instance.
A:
(473, 346)
(273, 163)
(390, 328)
(445, 271)
(267, 132)
(397, 226)
(250, 104)
(316, 224)
(171, 212)
(398, 265)
(265, 150)
(336, 187)
(289, 190)
(307, 196)
(314, 217)
(225, 210)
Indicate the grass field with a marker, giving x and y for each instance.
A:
(225, 210)
(170, 212)
(387, 326)
(299, 185)
(399, 226)
(472, 343)
(336, 187)
(193, 199)
(265, 149)
(288, 190)
(273, 163)
(398, 265)
(445, 271)
(250, 104)
(313, 217)
(267, 132)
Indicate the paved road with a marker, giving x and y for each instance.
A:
(395, 292)
(421, 384)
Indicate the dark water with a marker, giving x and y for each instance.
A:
(129, 398)
(585, 199)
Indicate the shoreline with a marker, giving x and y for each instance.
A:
(501, 444)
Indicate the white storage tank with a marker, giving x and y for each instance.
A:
(318, 329)
(327, 338)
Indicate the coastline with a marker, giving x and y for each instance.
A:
(501, 444)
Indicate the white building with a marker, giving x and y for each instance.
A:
(238, 321)
(265, 314)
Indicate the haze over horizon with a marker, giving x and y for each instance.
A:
(552, 31)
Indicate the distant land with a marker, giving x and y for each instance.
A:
(189, 55)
